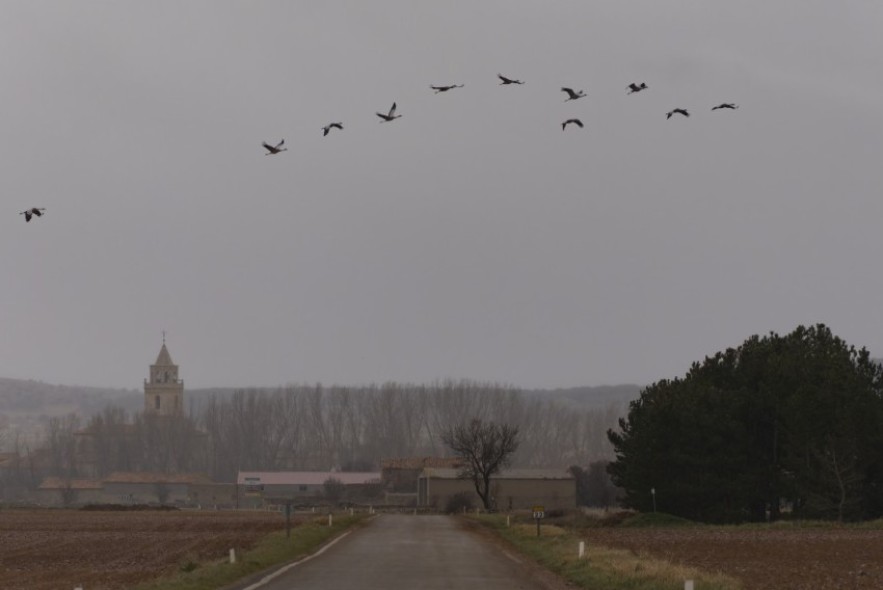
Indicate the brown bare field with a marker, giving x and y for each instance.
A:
(50, 549)
(763, 559)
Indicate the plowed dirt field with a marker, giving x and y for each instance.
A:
(765, 559)
(51, 549)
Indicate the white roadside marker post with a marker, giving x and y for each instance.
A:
(688, 584)
(233, 556)
(582, 549)
(330, 520)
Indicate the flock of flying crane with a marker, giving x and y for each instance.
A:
(504, 81)
(392, 116)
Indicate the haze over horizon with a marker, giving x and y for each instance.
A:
(470, 239)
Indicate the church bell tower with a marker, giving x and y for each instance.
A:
(163, 391)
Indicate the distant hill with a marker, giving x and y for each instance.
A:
(17, 396)
(583, 397)
(26, 406)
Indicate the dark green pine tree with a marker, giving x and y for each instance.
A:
(793, 420)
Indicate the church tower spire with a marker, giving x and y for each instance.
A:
(163, 391)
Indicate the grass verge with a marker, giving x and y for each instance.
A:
(274, 549)
(612, 569)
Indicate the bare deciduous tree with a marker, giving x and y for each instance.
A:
(67, 493)
(313, 427)
(334, 490)
(486, 448)
(62, 444)
(162, 491)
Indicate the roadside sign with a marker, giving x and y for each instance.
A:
(253, 485)
(539, 513)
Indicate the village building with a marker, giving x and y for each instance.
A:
(152, 488)
(163, 397)
(400, 476)
(513, 489)
(193, 490)
(89, 441)
(257, 488)
(60, 491)
(105, 447)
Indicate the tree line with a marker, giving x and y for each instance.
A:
(315, 427)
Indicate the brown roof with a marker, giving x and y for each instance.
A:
(59, 483)
(421, 463)
(148, 477)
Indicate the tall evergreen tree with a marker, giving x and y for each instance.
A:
(790, 419)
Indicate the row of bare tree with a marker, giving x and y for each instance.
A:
(319, 428)
(353, 428)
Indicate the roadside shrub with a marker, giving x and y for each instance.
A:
(555, 513)
(333, 489)
(594, 486)
(614, 519)
(188, 566)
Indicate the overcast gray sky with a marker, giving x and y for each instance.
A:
(471, 238)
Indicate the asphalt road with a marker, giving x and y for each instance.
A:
(404, 551)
